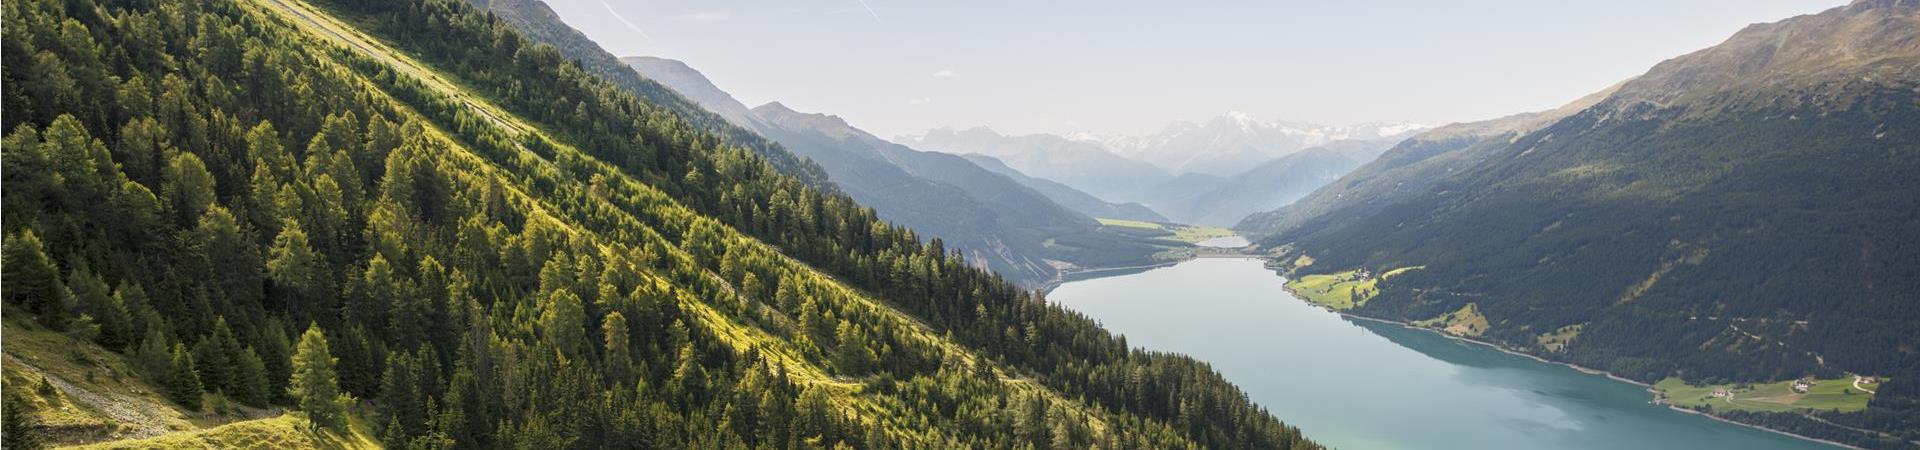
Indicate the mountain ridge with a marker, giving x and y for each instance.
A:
(996, 221)
(1737, 213)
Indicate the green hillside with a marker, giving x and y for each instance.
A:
(1744, 213)
(480, 244)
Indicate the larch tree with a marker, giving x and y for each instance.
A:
(314, 384)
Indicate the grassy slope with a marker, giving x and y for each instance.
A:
(95, 394)
(1826, 394)
(1466, 321)
(1179, 232)
(286, 431)
(1340, 291)
(97, 400)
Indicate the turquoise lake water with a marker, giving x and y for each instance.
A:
(1359, 385)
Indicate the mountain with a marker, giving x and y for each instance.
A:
(1744, 212)
(404, 219)
(538, 23)
(693, 85)
(1188, 173)
(1229, 144)
(1086, 166)
(1408, 168)
(1272, 184)
(1067, 196)
(997, 222)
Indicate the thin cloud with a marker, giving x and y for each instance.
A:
(623, 20)
(704, 17)
(944, 73)
(920, 101)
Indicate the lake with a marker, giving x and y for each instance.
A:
(1358, 385)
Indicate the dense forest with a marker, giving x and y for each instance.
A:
(491, 247)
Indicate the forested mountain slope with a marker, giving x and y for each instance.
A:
(1746, 212)
(1067, 196)
(994, 221)
(1406, 169)
(538, 23)
(490, 247)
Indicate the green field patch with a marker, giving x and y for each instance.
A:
(1835, 394)
(1129, 223)
(1558, 339)
(1179, 232)
(1466, 321)
(1340, 291)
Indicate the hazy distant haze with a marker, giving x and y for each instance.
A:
(1131, 67)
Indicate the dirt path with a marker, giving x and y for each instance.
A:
(138, 417)
(1856, 385)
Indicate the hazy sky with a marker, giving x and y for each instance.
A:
(1130, 67)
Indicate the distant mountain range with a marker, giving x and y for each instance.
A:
(1016, 230)
(1746, 212)
(1211, 173)
(1084, 165)
(1230, 144)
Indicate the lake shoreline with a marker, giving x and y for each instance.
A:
(1198, 252)
(1582, 369)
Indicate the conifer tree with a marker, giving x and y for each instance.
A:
(183, 381)
(152, 358)
(400, 393)
(188, 187)
(217, 359)
(314, 384)
(298, 273)
(250, 384)
(20, 428)
(30, 280)
(563, 323)
(618, 347)
(91, 296)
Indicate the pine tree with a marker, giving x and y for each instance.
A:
(188, 187)
(814, 413)
(395, 435)
(142, 319)
(233, 256)
(299, 274)
(250, 384)
(852, 357)
(183, 382)
(400, 394)
(216, 357)
(30, 280)
(21, 429)
(314, 384)
(152, 358)
(91, 296)
(619, 347)
(563, 323)
(277, 354)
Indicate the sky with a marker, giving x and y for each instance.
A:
(1124, 67)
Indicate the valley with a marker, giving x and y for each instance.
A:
(535, 224)
(1435, 391)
